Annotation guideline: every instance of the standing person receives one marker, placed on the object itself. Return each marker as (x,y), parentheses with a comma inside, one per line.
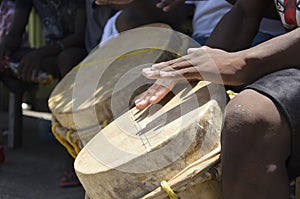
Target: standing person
(260,137)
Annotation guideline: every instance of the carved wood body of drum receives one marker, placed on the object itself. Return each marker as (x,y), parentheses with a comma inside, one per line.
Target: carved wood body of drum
(133,154)
(201,179)
(104,84)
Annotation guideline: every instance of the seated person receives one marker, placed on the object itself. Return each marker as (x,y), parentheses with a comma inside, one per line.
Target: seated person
(97,17)
(207,16)
(135,13)
(260,135)
(62,23)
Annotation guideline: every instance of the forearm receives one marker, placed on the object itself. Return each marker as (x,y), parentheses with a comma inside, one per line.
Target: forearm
(14,37)
(235,31)
(75,39)
(59,46)
(144,11)
(276,54)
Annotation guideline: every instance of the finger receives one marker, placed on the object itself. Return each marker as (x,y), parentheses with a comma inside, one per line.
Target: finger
(151,74)
(181,64)
(192,50)
(167,8)
(162,3)
(161,65)
(174,63)
(186,73)
(143,100)
(160,70)
(167,5)
(155,93)
(102,2)
(158,74)
(162,90)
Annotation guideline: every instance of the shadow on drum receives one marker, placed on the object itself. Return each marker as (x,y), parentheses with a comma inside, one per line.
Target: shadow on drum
(203,95)
(139,149)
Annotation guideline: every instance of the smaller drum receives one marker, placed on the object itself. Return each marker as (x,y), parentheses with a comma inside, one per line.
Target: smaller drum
(102,87)
(134,153)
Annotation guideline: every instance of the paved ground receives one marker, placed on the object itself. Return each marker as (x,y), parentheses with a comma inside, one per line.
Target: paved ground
(32,172)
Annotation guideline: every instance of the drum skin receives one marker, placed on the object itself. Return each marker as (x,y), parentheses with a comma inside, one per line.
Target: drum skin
(82,100)
(133,154)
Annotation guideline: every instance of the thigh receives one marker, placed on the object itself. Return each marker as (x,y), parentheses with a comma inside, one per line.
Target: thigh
(283,88)
(254,129)
(255,146)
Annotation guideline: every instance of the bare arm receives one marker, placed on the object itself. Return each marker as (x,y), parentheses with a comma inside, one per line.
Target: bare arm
(141,12)
(276,54)
(13,39)
(223,58)
(33,60)
(238,27)
(75,39)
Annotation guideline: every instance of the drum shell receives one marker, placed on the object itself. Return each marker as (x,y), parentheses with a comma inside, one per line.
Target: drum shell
(101,181)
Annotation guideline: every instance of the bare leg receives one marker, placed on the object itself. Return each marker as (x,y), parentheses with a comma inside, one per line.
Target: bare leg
(255,146)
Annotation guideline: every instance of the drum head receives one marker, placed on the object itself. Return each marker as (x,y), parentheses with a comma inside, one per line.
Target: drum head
(102,86)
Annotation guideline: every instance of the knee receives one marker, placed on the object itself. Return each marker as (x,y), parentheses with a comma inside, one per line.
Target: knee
(240,117)
(250,118)
(252,124)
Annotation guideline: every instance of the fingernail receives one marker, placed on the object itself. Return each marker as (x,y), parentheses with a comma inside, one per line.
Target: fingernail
(147,70)
(137,101)
(142,102)
(156,65)
(153,98)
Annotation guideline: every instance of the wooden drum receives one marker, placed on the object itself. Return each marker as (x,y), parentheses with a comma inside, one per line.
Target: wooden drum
(103,85)
(137,151)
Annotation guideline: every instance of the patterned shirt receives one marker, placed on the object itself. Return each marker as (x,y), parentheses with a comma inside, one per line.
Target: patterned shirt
(7,9)
(57,16)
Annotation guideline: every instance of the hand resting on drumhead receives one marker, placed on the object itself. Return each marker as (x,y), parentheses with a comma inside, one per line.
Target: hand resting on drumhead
(202,63)
(155,93)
